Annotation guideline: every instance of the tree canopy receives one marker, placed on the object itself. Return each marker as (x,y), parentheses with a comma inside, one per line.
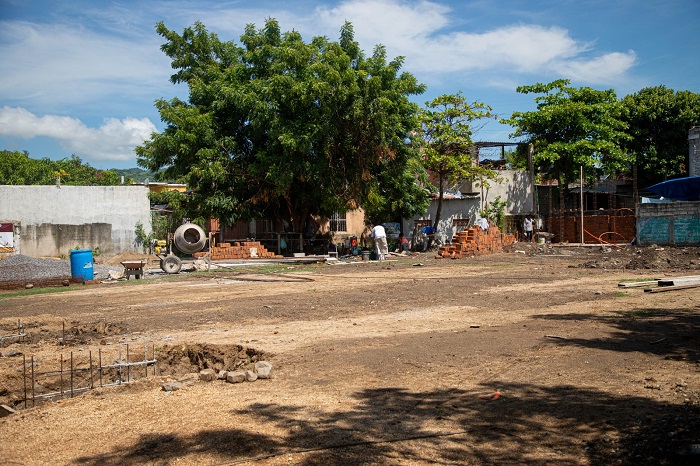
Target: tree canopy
(281,128)
(659,119)
(573,127)
(448,126)
(17,168)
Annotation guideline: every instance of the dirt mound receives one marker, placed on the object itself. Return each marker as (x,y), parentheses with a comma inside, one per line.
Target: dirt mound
(650,258)
(127,256)
(185,359)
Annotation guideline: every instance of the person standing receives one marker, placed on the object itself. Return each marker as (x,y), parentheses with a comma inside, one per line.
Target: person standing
(379,235)
(527,226)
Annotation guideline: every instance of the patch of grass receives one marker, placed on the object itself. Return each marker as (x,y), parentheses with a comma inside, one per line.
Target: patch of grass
(628,280)
(35,291)
(620,294)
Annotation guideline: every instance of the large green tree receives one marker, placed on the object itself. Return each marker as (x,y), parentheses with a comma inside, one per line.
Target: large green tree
(659,119)
(281,128)
(448,124)
(573,127)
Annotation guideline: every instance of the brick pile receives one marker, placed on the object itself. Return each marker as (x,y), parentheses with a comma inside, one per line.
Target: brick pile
(239,250)
(476,242)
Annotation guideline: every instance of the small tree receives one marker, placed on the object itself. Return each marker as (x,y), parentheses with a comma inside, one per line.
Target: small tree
(494,211)
(447,127)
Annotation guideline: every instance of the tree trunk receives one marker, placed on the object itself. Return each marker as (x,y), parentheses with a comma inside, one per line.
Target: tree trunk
(560,182)
(438,212)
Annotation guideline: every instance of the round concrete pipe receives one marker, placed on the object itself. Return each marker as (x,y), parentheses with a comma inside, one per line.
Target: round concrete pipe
(189,238)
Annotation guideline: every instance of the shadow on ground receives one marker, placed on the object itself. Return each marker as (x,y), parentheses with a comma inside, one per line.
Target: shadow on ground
(669,333)
(528,425)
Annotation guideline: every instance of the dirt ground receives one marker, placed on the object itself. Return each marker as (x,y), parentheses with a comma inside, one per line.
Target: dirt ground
(535,356)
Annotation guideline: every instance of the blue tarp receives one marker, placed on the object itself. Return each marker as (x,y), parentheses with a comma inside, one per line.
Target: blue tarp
(680,189)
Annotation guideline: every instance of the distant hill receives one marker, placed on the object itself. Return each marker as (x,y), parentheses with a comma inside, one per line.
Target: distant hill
(139,175)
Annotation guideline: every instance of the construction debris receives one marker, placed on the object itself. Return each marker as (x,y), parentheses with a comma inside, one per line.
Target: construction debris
(476,242)
(666,284)
(238,250)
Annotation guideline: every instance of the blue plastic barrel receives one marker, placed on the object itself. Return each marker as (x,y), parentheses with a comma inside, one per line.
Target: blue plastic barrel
(81,264)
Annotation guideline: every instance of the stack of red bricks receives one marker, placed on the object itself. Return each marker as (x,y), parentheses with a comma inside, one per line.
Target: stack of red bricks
(239,250)
(476,242)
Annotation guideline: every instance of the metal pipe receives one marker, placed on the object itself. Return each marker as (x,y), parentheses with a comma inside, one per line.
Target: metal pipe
(61,385)
(99,362)
(128,367)
(71,374)
(24,377)
(32,362)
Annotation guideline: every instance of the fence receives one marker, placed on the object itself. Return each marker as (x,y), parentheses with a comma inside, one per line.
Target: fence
(79,374)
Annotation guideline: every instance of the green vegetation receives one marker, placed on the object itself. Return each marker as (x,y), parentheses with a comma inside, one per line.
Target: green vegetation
(279,128)
(448,126)
(573,127)
(659,119)
(494,211)
(35,291)
(138,175)
(17,168)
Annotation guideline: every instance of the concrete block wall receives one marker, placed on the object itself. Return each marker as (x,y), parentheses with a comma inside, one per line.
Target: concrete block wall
(52,220)
(669,223)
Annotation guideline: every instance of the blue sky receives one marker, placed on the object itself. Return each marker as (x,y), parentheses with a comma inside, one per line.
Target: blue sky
(81,77)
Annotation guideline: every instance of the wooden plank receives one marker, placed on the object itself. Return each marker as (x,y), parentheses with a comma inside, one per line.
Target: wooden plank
(637,284)
(671,288)
(679,281)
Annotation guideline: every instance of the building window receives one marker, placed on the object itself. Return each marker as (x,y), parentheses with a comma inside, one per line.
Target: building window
(338,222)
(264,226)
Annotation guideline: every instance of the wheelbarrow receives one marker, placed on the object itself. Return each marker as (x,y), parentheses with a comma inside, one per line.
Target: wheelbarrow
(133,268)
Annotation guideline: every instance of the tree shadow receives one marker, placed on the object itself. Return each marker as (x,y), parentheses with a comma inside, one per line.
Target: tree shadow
(669,333)
(528,424)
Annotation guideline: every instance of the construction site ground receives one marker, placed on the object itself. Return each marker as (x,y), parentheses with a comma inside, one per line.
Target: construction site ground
(535,356)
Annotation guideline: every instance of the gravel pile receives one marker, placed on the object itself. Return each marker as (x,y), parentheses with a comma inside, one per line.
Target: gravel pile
(24,268)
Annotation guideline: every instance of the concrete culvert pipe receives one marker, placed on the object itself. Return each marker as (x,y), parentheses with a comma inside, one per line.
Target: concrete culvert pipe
(189,238)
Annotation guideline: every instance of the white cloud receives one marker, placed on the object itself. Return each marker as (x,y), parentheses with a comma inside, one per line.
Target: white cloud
(57,64)
(113,141)
(600,70)
(417,30)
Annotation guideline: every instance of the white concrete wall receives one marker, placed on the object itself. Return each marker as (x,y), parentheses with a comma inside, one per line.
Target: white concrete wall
(517,188)
(451,209)
(54,220)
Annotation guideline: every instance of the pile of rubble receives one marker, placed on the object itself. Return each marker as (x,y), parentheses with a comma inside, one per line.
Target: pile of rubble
(476,242)
(239,250)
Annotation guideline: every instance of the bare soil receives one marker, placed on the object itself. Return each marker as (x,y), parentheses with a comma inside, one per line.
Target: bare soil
(533,357)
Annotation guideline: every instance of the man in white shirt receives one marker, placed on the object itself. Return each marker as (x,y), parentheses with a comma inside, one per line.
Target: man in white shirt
(527,226)
(379,235)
